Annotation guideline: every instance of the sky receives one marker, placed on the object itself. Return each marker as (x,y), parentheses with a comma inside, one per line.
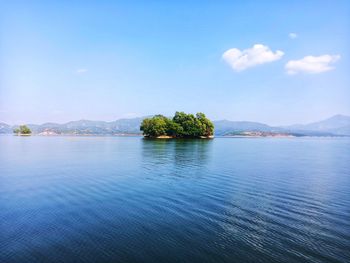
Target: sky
(276,62)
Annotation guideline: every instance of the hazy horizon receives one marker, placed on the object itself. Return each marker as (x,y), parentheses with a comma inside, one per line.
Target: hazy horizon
(87,119)
(272,62)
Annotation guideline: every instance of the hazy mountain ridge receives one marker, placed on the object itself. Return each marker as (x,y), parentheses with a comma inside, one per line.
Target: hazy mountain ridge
(5,128)
(224,127)
(336,125)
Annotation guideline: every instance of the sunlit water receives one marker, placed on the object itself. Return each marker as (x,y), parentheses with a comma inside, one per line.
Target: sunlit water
(126,199)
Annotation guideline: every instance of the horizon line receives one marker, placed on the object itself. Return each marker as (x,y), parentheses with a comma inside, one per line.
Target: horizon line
(146,116)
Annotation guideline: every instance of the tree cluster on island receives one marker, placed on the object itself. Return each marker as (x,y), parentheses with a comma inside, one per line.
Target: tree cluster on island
(22,130)
(182,125)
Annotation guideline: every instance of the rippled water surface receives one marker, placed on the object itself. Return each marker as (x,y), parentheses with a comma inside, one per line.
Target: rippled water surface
(126,199)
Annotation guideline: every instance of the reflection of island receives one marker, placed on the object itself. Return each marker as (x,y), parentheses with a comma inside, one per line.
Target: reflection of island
(161,156)
(182,125)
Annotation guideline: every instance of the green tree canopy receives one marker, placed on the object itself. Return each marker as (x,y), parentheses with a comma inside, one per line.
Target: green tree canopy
(23,129)
(182,125)
(156,126)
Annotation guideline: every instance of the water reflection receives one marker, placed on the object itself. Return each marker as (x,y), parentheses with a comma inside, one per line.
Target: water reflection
(182,152)
(176,156)
(132,200)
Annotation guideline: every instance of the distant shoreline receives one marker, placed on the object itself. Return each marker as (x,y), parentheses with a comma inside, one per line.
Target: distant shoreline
(162,137)
(170,138)
(265,136)
(335,126)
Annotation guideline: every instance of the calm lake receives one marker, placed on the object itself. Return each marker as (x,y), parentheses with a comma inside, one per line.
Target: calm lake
(126,199)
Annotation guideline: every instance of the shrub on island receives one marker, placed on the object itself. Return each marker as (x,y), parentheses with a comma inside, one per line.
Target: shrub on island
(22,130)
(182,125)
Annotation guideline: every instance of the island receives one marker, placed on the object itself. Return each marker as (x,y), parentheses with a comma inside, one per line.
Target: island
(23,130)
(182,125)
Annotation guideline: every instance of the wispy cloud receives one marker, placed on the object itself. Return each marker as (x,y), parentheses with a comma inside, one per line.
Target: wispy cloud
(292,35)
(311,64)
(250,57)
(81,71)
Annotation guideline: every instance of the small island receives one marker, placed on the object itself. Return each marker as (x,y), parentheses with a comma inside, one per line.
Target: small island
(182,125)
(23,130)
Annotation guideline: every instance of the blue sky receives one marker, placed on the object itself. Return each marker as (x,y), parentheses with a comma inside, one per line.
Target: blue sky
(275,62)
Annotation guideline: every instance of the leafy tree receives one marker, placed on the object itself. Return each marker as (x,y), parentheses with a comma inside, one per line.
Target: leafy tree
(206,126)
(174,129)
(154,127)
(182,125)
(23,129)
(188,124)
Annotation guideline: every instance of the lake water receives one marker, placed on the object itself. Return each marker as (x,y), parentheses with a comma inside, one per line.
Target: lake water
(126,199)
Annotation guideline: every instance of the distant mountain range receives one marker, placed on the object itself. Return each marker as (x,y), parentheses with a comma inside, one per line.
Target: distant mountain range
(121,126)
(338,125)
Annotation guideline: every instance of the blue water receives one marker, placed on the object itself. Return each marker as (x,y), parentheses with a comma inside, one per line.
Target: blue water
(126,199)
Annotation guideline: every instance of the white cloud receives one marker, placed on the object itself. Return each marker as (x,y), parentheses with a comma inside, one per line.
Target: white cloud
(81,71)
(292,35)
(311,64)
(257,55)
